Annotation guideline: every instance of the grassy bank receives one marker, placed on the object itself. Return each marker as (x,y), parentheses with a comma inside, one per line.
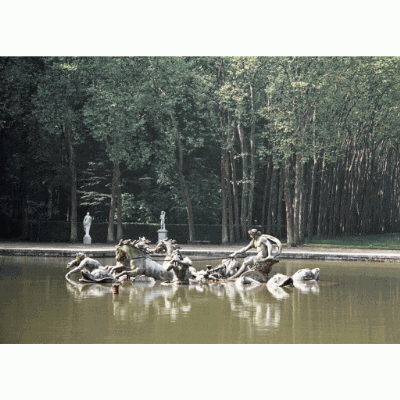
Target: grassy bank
(386,241)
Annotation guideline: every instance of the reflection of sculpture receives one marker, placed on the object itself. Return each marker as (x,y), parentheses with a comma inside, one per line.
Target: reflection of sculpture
(264,259)
(162,218)
(87,222)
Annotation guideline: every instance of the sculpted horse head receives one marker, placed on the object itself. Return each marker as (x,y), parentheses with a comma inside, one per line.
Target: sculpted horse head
(166,246)
(132,250)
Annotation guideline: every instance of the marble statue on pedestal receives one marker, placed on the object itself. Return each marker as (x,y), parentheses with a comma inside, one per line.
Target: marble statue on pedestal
(87,222)
(162,232)
(162,218)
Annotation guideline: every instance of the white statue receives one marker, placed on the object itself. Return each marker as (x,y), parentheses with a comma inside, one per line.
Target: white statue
(162,217)
(87,222)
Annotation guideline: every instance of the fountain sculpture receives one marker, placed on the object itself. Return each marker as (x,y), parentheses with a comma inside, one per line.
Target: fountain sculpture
(134,263)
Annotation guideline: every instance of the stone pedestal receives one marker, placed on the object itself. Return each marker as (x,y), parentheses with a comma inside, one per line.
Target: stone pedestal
(162,234)
(87,239)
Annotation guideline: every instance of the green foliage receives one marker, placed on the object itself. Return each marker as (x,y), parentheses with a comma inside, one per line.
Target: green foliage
(154,115)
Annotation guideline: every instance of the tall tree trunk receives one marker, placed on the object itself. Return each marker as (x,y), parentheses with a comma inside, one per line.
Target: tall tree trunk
(235,193)
(120,232)
(111,215)
(230,202)
(272,203)
(24,196)
(72,168)
(322,199)
(289,204)
(252,154)
(224,202)
(279,213)
(245,182)
(310,221)
(182,183)
(224,155)
(298,196)
(266,204)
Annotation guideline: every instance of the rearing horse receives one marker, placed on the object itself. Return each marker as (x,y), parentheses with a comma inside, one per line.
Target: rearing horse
(137,252)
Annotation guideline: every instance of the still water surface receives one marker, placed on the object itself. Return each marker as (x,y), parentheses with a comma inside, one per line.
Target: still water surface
(354,302)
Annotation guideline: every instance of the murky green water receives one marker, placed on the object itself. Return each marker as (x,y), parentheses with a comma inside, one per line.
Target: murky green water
(352,303)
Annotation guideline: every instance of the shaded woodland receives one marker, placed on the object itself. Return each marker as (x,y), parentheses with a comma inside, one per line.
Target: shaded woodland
(302,146)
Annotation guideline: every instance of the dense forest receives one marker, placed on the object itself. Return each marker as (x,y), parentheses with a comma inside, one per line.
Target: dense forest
(301,146)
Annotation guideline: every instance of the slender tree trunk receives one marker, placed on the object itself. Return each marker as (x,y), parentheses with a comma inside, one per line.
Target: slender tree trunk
(279,213)
(303,202)
(72,167)
(289,204)
(224,155)
(230,202)
(224,202)
(24,196)
(111,215)
(298,194)
(266,204)
(235,196)
(245,185)
(120,232)
(182,183)
(50,202)
(188,201)
(322,200)
(310,222)
(272,203)
(252,155)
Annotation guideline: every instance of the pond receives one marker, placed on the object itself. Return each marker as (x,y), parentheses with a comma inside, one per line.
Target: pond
(354,302)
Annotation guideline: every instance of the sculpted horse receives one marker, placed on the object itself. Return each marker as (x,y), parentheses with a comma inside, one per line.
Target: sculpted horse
(137,253)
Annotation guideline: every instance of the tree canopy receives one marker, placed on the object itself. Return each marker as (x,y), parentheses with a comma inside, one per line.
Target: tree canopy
(298,146)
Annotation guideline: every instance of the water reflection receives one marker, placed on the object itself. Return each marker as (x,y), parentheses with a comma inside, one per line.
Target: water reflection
(353,303)
(307,287)
(255,302)
(87,290)
(278,292)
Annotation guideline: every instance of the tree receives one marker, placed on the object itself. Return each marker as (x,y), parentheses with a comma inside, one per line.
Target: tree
(60,97)
(21,144)
(176,109)
(113,117)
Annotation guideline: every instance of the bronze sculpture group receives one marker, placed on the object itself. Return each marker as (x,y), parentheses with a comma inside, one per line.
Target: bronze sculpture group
(134,263)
